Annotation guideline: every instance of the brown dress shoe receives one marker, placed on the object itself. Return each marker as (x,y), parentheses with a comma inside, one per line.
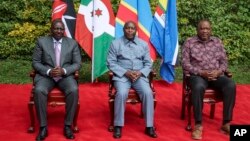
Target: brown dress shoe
(225,128)
(197,132)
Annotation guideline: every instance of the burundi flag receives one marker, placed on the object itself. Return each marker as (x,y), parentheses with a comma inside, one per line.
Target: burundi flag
(164,37)
(64,9)
(138,11)
(95,31)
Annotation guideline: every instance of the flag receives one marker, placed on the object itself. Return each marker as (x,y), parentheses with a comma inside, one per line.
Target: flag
(164,37)
(138,11)
(64,10)
(95,31)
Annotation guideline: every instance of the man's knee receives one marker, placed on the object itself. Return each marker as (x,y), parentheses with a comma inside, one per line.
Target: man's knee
(40,90)
(122,93)
(198,87)
(72,90)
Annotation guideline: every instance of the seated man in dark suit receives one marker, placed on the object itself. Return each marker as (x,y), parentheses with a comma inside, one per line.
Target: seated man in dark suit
(204,58)
(55,59)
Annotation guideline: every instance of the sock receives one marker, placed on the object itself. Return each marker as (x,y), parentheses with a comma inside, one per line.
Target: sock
(225,122)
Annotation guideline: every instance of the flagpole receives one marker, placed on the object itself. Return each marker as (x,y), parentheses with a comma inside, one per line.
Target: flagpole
(93,43)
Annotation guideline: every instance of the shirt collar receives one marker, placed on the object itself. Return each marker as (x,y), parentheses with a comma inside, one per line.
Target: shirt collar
(199,40)
(54,40)
(126,41)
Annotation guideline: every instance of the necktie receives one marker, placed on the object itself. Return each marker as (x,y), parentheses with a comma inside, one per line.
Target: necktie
(57,53)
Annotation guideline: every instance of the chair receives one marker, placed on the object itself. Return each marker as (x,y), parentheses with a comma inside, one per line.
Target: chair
(133,97)
(211,96)
(55,98)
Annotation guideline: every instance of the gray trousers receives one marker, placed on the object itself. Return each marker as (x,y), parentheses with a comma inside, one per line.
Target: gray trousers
(43,86)
(145,93)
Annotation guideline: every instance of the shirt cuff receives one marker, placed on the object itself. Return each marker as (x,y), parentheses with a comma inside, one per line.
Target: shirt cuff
(65,72)
(48,71)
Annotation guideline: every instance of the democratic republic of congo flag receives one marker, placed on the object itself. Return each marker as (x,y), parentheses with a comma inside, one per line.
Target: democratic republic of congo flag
(138,11)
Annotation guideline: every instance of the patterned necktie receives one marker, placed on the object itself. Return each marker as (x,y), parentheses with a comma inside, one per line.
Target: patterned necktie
(57,53)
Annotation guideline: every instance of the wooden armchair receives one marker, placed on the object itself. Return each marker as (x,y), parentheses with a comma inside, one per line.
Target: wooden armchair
(133,97)
(211,96)
(55,98)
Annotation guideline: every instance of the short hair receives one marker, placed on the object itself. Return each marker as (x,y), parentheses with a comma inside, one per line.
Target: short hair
(203,20)
(130,21)
(55,21)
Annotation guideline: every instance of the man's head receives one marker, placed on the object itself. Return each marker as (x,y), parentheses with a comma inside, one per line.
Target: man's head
(204,30)
(129,30)
(57,29)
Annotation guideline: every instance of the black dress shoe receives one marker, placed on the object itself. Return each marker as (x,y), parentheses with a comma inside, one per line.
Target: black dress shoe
(150,131)
(117,132)
(43,133)
(68,133)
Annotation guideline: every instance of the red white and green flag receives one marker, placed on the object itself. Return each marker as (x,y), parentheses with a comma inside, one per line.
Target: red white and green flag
(95,31)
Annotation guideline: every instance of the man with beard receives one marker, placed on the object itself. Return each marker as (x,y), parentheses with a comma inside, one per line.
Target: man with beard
(204,59)
(129,60)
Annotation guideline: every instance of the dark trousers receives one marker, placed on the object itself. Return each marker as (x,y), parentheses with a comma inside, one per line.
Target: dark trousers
(43,86)
(223,84)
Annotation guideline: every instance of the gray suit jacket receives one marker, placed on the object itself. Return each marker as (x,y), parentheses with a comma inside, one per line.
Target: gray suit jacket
(125,55)
(44,59)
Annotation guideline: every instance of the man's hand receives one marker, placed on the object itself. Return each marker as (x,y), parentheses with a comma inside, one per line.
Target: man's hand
(56,72)
(133,75)
(210,75)
(213,75)
(204,73)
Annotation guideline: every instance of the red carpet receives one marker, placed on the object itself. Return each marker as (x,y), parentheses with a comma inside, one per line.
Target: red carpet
(93,118)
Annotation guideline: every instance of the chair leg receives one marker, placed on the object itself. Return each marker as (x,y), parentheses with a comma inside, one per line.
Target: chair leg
(189,106)
(141,115)
(75,127)
(212,110)
(111,108)
(31,129)
(183,106)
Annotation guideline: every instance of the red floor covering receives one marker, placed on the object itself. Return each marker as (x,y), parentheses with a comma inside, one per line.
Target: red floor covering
(93,118)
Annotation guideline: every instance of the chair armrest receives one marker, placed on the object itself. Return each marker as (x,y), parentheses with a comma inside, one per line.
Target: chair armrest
(33,73)
(111,84)
(76,75)
(228,74)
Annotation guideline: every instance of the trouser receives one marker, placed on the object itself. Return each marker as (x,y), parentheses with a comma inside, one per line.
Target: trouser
(223,84)
(145,93)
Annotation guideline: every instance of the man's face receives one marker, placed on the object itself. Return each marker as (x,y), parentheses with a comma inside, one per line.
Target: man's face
(129,30)
(57,30)
(204,30)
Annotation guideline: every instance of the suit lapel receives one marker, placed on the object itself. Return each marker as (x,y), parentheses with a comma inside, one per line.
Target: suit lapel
(63,51)
(51,50)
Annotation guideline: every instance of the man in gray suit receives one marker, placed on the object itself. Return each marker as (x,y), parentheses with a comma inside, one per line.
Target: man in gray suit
(55,59)
(129,60)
